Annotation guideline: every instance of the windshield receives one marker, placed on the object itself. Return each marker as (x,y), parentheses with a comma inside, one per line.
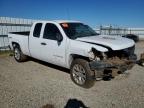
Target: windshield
(77,30)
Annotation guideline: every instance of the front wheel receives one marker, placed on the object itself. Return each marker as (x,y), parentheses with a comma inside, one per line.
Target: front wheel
(81,73)
(18,55)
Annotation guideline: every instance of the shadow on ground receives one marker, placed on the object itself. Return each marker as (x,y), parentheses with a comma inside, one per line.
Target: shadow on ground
(71,103)
(50,65)
(74,103)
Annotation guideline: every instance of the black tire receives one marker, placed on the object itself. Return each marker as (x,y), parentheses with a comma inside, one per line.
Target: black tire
(18,55)
(87,73)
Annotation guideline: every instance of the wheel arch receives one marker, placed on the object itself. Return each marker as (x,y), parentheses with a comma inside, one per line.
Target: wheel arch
(22,57)
(15,44)
(72,57)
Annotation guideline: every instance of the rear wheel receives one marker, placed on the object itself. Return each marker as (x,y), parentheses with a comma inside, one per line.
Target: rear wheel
(18,55)
(81,74)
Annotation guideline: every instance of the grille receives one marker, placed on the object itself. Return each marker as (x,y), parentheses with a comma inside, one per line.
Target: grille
(129,50)
(121,53)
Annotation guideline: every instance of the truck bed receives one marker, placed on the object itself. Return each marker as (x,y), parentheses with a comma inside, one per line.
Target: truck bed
(22,38)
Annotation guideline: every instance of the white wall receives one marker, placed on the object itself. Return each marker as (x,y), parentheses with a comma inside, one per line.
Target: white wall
(8,24)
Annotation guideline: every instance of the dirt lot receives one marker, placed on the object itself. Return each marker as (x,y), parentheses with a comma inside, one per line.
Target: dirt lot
(35,84)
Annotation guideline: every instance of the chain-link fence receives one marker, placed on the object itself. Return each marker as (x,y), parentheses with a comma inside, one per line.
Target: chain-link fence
(119,31)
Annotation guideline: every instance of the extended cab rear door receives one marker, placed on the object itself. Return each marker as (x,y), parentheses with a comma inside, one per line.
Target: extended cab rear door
(35,41)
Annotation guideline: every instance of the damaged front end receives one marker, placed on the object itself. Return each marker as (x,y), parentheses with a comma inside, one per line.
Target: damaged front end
(113,63)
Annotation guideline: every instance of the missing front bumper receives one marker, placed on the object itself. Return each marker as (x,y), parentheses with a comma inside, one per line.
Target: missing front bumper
(114,66)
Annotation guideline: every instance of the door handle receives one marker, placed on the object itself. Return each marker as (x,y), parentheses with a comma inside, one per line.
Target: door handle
(43,43)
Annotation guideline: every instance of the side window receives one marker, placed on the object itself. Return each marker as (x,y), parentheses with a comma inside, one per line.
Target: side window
(50,31)
(37,30)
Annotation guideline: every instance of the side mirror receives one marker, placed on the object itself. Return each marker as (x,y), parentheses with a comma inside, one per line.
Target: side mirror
(59,37)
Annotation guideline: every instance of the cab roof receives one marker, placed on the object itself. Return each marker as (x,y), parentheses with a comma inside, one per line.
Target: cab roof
(57,21)
(64,21)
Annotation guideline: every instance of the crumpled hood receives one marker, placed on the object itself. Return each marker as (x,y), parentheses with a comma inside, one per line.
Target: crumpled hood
(113,42)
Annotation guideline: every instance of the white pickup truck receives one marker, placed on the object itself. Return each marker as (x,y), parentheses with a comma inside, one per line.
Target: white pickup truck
(74,45)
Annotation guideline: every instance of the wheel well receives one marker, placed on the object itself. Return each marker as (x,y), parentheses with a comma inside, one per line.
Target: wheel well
(75,56)
(14,44)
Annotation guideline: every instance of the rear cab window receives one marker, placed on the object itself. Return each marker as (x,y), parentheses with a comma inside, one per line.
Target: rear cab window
(37,30)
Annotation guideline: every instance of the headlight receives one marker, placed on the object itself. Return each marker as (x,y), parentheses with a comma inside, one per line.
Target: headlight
(96,55)
(92,56)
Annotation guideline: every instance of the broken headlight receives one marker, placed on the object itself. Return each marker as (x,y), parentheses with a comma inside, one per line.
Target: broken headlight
(91,55)
(96,55)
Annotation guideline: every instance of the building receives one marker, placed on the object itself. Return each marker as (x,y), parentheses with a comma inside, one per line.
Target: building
(8,24)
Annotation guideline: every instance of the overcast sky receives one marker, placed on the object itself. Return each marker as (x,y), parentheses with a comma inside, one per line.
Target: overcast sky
(125,13)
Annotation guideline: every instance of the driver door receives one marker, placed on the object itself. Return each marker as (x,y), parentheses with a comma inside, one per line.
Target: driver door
(53,51)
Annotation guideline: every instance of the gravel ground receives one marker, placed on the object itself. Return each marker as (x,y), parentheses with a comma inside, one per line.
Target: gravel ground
(35,84)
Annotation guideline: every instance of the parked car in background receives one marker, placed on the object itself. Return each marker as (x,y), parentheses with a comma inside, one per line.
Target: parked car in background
(132,36)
